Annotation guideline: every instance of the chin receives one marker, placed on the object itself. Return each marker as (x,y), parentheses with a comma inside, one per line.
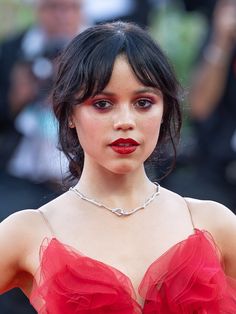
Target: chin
(122,171)
(123,168)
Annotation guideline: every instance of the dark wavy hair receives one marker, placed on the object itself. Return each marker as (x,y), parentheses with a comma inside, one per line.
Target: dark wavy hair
(85,68)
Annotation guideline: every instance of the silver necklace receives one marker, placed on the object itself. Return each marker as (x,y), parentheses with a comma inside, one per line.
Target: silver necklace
(118,211)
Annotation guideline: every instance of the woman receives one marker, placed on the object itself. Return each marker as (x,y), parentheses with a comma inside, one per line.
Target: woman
(116,242)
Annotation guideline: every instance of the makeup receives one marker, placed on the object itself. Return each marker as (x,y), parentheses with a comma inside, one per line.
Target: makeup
(124,146)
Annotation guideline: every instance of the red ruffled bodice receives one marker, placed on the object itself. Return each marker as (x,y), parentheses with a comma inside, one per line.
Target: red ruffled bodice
(187,279)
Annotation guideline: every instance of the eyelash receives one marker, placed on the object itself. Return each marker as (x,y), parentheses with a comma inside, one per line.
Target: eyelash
(150,102)
(96,104)
(145,107)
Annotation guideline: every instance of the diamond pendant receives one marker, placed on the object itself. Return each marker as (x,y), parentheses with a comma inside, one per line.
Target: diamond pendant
(118,211)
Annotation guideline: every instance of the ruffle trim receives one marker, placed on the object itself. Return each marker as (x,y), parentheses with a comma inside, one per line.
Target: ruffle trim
(187,279)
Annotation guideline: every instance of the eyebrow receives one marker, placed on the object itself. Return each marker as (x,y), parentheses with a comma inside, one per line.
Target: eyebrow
(138,91)
(156,91)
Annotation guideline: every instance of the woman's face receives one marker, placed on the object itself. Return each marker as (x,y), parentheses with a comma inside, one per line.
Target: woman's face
(119,128)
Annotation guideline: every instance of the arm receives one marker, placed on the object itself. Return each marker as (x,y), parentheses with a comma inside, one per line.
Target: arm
(14,248)
(211,74)
(23,88)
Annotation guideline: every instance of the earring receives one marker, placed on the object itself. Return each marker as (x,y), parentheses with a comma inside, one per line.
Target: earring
(71,124)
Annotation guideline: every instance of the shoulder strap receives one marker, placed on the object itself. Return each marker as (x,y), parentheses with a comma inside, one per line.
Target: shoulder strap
(46,222)
(190,213)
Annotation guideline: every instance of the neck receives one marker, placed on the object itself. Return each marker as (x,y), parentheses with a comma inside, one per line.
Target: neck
(125,190)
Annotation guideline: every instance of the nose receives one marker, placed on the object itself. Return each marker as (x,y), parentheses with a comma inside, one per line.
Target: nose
(124,119)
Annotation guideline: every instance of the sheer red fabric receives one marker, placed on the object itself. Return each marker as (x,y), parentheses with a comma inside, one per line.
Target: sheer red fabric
(187,279)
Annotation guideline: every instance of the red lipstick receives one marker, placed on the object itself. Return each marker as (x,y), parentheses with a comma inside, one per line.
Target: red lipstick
(124,145)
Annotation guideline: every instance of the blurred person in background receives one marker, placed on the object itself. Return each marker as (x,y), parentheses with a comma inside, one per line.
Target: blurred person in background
(27,129)
(213,106)
(26,70)
(137,11)
(211,172)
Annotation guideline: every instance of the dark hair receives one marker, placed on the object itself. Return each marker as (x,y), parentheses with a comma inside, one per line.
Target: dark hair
(85,68)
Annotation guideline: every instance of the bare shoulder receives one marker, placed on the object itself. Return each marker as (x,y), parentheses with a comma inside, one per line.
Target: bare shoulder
(22,233)
(172,200)
(207,215)
(56,209)
(28,226)
(20,221)
(170,196)
(211,215)
(220,221)
(18,235)
(20,228)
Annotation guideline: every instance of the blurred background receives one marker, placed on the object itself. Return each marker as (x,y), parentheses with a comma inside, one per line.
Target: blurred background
(198,36)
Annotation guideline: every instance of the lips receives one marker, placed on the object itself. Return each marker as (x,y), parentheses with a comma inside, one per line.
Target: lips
(124,145)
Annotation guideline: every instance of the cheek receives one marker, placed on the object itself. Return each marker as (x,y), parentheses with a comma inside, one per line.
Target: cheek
(151,128)
(88,131)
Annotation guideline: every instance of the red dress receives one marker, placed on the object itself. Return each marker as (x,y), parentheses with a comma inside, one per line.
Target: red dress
(187,279)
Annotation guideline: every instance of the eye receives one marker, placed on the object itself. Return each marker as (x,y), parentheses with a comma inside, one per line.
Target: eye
(144,103)
(102,104)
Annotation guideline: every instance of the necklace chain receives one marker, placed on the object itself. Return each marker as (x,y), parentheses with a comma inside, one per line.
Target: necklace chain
(118,211)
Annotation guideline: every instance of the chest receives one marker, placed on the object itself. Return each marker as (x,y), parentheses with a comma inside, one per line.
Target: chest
(73,281)
(129,250)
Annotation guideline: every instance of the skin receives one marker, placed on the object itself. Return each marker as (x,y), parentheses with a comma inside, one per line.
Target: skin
(123,118)
(60,18)
(129,244)
(209,78)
